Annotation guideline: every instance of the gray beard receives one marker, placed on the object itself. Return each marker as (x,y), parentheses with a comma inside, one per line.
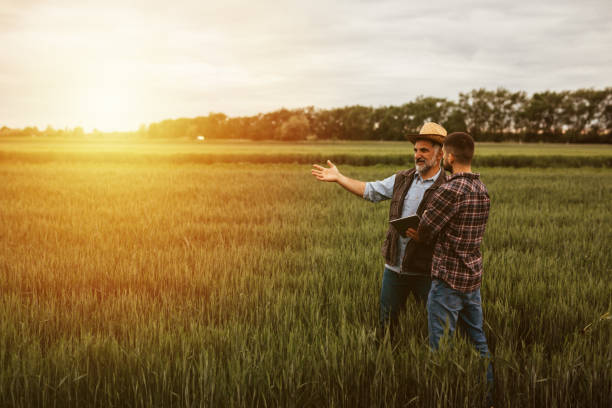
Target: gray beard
(425,167)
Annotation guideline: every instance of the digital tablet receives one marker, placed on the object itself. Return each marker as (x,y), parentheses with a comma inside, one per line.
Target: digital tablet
(402,224)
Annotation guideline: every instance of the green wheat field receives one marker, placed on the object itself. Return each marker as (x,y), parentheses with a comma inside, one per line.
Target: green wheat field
(131,282)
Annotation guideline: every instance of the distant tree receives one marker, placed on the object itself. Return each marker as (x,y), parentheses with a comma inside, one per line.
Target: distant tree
(453,117)
(5,131)
(581,115)
(142,130)
(542,115)
(296,128)
(155,131)
(49,131)
(237,128)
(276,120)
(505,107)
(477,107)
(30,131)
(328,124)
(310,113)
(356,122)
(78,132)
(261,127)
(604,116)
(422,109)
(192,131)
(215,127)
(388,123)
(584,115)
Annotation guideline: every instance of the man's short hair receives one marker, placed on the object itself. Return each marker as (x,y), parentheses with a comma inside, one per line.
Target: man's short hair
(461,145)
(433,143)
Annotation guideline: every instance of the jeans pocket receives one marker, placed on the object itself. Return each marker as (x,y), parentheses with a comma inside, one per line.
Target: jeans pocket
(450,297)
(435,286)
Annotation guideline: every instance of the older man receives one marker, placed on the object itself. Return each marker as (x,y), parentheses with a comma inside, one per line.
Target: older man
(407,262)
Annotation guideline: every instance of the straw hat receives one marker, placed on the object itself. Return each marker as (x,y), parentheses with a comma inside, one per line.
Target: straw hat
(430,131)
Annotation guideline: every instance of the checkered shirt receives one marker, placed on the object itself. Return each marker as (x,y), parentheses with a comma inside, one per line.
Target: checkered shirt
(455,221)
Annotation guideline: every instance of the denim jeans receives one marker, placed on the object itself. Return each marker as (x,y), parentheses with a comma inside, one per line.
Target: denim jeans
(393,294)
(447,307)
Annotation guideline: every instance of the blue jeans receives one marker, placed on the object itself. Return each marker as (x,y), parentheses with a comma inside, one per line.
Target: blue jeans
(446,307)
(393,294)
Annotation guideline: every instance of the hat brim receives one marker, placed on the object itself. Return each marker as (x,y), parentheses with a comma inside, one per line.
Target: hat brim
(431,137)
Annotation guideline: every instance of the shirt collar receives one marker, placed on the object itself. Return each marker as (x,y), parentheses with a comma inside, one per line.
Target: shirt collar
(465,174)
(417,175)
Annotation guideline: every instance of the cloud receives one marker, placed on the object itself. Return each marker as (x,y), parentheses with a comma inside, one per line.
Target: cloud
(247,57)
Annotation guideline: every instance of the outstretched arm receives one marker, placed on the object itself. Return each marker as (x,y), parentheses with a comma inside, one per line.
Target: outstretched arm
(332,174)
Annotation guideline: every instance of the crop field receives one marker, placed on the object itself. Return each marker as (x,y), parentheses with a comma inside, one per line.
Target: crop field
(232,151)
(153,283)
(242,146)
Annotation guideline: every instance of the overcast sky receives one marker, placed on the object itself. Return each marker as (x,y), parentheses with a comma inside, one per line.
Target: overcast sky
(116,64)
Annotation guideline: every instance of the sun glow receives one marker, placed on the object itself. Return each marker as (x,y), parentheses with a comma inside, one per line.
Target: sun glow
(110,108)
(114,68)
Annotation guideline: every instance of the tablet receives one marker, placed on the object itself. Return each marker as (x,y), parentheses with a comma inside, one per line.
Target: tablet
(402,224)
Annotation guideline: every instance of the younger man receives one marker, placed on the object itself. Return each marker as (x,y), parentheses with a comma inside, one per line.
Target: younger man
(455,220)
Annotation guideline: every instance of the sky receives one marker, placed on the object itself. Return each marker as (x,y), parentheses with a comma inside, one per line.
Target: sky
(113,65)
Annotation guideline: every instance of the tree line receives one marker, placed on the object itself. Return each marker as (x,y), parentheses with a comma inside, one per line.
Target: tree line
(579,116)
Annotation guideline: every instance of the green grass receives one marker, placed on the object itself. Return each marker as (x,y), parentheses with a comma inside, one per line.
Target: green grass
(255,285)
(150,146)
(355,153)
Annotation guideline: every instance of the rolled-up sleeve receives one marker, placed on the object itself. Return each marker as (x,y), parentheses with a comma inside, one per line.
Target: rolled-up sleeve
(379,190)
